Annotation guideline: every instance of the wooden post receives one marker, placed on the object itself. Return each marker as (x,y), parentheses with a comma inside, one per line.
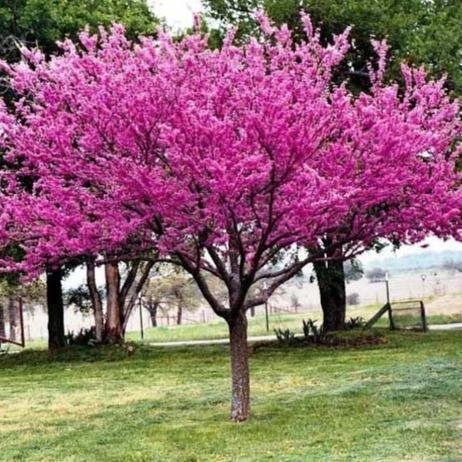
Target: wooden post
(424,317)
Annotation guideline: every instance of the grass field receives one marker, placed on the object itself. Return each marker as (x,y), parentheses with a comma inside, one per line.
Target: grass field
(257,326)
(393,402)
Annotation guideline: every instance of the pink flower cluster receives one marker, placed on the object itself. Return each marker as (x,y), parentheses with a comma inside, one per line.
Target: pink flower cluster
(227,159)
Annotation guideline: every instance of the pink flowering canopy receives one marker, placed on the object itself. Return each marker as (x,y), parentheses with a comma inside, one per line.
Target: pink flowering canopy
(228,160)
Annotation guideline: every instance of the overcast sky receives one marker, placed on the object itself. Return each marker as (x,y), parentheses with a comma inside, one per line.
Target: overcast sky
(177,13)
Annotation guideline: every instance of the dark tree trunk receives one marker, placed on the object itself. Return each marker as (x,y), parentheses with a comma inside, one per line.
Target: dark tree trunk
(2,321)
(13,318)
(55,307)
(179,316)
(252,311)
(114,331)
(331,281)
(152,307)
(95,301)
(240,394)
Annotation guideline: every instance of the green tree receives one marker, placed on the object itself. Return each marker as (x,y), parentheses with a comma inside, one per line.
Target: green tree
(44,22)
(418,31)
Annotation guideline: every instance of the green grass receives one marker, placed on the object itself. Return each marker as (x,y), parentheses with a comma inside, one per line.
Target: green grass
(257,326)
(217,329)
(393,402)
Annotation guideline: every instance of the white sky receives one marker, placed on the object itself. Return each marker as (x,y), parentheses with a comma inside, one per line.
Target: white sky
(177,13)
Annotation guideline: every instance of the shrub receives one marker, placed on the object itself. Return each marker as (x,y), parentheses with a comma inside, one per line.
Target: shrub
(84,337)
(285,336)
(311,332)
(355,323)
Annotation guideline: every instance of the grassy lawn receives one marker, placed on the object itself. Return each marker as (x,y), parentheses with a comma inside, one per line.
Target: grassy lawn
(257,326)
(393,402)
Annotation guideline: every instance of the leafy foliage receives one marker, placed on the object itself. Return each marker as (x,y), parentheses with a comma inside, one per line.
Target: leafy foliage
(355,323)
(44,22)
(84,337)
(376,274)
(285,336)
(420,32)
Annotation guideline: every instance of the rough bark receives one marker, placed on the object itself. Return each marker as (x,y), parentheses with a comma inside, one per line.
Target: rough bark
(2,321)
(240,394)
(179,315)
(113,331)
(331,282)
(55,307)
(95,301)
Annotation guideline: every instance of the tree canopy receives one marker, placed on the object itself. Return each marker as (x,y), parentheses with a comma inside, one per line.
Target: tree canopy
(421,32)
(45,22)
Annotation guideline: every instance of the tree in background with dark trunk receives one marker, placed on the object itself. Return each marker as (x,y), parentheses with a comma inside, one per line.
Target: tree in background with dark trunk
(332,291)
(55,306)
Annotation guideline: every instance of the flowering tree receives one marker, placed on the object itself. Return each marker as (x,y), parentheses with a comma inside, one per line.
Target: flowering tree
(228,163)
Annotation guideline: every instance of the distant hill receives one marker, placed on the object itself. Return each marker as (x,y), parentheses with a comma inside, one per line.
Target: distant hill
(417,261)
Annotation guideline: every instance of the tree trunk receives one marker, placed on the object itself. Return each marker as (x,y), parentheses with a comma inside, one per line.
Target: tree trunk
(252,311)
(179,316)
(55,307)
(129,294)
(2,321)
(114,332)
(152,307)
(331,281)
(240,394)
(95,300)
(13,318)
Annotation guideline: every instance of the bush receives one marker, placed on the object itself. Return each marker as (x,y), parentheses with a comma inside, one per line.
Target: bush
(84,337)
(355,323)
(311,332)
(285,336)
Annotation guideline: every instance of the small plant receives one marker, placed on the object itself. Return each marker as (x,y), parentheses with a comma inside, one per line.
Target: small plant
(285,336)
(355,323)
(311,332)
(84,337)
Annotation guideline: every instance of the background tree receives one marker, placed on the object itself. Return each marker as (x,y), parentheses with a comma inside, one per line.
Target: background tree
(417,31)
(353,270)
(175,290)
(43,23)
(31,293)
(376,274)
